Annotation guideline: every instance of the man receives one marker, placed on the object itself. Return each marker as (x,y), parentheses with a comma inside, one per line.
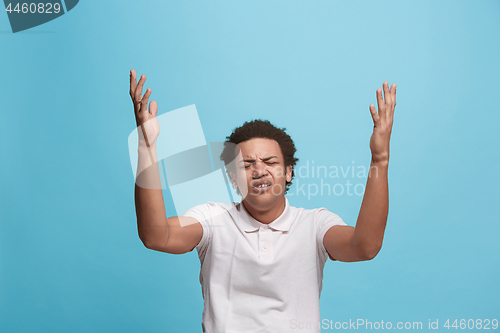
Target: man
(261,260)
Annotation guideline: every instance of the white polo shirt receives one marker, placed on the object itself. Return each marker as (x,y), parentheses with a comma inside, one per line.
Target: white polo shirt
(257,277)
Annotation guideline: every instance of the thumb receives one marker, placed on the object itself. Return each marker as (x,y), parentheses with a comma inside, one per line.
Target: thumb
(153,108)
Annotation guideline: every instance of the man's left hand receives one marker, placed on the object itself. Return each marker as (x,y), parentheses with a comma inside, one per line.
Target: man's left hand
(379,141)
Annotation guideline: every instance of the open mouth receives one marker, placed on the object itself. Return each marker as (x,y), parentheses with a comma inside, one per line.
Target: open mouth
(260,185)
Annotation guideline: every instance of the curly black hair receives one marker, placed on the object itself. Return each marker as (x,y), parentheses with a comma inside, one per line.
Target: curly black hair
(259,128)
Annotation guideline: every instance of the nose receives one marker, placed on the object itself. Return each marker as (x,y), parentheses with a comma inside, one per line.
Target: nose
(259,170)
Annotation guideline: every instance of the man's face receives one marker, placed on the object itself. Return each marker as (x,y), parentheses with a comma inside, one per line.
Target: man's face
(261,175)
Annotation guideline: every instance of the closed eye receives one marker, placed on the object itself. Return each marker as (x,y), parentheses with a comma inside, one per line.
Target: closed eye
(246,166)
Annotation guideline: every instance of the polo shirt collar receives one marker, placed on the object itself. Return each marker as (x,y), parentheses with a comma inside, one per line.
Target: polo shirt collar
(282,223)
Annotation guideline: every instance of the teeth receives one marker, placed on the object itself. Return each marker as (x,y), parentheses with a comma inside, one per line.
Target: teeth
(263,185)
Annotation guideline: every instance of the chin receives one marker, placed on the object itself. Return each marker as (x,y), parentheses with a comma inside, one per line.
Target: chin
(263,200)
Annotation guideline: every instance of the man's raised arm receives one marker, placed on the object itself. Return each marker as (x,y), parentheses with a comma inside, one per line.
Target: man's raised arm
(365,240)
(155,230)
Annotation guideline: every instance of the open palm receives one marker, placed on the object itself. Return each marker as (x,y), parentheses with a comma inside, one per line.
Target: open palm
(145,119)
(382,121)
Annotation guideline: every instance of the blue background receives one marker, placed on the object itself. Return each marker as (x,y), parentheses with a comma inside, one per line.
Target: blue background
(70,257)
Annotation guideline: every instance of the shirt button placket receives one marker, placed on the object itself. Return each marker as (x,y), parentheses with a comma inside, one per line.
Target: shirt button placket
(265,243)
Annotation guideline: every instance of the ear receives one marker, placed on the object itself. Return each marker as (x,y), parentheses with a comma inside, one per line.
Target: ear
(289,173)
(232,176)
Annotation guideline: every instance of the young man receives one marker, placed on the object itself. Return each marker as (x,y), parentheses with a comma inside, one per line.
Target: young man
(261,260)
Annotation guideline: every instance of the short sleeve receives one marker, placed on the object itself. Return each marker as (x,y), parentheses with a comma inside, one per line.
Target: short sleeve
(210,215)
(202,213)
(324,221)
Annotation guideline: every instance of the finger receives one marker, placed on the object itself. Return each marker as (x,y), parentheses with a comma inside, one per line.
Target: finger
(380,102)
(374,114)
(387,94)
(153,108)
(138,89)
(144,102)
(133,83)
(393,93)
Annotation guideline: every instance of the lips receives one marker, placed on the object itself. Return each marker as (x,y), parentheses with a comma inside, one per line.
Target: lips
(261,184)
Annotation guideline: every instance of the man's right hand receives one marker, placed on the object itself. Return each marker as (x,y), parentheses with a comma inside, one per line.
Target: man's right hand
(175,234)
(145,119)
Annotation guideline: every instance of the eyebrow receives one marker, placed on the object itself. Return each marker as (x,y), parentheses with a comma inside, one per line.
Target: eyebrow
(263,159)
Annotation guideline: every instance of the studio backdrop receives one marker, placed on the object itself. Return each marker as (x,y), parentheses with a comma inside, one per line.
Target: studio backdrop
(70,256)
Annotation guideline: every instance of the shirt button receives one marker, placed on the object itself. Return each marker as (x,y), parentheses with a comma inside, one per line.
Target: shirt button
(265,246)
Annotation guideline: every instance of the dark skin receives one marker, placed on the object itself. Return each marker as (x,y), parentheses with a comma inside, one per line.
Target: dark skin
(180,234)
(364,241)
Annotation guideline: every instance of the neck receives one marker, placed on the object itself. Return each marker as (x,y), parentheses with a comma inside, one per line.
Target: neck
(267,215)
